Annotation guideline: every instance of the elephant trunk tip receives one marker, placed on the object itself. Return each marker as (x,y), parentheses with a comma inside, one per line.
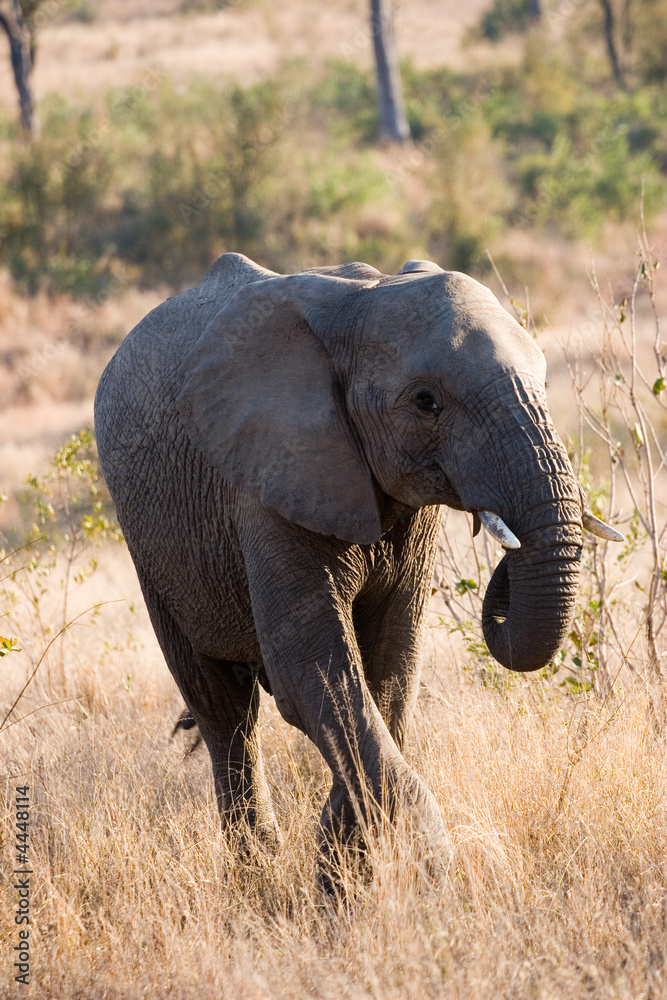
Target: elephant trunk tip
(524,633)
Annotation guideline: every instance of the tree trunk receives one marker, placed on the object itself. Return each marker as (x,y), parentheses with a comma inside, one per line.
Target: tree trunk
(609,33)
(535,9)
(393,122)
(22,54)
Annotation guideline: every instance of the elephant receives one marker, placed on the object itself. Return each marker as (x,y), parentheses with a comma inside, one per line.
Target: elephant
(278,448)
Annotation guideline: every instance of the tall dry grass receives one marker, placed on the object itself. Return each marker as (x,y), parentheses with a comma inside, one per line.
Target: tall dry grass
(555,887)
(552,786)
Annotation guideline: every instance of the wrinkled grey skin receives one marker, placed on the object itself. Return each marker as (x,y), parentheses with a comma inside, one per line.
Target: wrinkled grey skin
(277,448)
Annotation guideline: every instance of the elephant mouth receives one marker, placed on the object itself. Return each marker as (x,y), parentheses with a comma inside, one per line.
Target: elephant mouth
(496,607)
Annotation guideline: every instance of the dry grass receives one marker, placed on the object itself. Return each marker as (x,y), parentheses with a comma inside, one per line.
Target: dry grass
(556,807)
(54,348)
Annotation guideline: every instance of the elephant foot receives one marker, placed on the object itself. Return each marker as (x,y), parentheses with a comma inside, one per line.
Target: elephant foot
(343,854)
(270,838)
(341,867)
(352,839)
(424,834)
(250,836)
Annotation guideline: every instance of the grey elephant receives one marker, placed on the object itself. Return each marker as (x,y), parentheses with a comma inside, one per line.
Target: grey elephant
(277,448)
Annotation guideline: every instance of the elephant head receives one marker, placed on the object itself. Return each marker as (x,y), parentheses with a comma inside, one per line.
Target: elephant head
(321,393)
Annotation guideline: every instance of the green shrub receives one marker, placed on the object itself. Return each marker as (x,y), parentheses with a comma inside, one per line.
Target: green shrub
(504,17)
(344,102)
(51,211)
(153,183)
(471,196)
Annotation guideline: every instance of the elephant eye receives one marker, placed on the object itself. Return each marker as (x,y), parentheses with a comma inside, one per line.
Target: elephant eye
(425,401)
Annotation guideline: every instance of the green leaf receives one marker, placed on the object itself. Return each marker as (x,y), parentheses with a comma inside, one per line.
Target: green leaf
(576,686)
(8,645)
(463,586)
(658,386)
(554,666)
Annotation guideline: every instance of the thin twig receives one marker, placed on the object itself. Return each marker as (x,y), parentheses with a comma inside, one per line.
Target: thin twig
(65,627)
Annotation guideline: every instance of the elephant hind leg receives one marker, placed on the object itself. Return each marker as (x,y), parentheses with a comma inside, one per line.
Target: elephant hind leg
(223,701)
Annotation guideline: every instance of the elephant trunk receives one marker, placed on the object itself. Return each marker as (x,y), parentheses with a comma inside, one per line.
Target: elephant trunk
(530,601)
(529,604)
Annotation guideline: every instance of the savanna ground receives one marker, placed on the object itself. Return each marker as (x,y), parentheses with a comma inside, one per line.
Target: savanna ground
(553,785)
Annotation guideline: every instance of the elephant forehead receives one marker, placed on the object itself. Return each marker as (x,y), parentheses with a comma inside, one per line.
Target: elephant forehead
(426,294)
(487,342)
(450,324)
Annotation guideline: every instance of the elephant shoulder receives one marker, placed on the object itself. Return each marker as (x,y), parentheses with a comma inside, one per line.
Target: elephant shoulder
(156,346)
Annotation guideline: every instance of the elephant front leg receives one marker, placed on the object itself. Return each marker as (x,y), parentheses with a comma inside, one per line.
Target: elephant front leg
(309,648)
(389,618)
(371,780)
(372,783)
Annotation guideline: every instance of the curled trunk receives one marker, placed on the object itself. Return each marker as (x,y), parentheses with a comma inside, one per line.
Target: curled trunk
(531,598)
(530,601)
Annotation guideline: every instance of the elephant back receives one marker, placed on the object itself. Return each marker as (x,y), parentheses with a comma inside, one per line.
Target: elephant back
(135,411)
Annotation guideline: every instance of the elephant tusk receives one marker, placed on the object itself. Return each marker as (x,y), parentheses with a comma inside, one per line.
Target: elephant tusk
(597,527)
(497,528)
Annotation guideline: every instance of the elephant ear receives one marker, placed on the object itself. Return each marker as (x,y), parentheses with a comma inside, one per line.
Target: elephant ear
(261,399)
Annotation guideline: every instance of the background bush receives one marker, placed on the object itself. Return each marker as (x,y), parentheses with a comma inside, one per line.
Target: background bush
(151,184)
